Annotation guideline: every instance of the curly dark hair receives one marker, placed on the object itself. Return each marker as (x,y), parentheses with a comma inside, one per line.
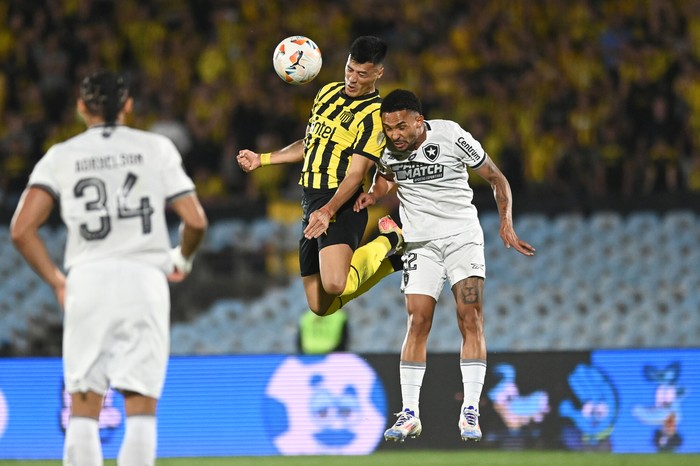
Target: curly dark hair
(401,99)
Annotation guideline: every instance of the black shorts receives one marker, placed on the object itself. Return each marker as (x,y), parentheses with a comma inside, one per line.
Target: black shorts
(346,227)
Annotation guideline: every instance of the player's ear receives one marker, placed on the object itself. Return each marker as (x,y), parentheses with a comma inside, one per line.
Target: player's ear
(128,106)
(82,109)
(380,71)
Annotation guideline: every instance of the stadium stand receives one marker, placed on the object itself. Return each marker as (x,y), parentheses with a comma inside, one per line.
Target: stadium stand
(601,281)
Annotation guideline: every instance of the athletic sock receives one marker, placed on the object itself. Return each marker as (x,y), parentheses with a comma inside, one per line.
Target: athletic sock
(139,443)
(82,443)
(393,238)
(365,262)
(386,267)
(473,374)
(396,260)
(411,377)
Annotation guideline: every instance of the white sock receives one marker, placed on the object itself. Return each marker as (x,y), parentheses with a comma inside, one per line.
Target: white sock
(473,374)
(139,444)
(82,446)
(411,377)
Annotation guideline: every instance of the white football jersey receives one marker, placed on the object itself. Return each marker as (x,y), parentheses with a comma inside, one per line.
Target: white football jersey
(436,199)
(113,192)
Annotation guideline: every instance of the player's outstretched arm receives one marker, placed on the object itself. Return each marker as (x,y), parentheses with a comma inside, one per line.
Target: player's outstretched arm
(504,201)
(249,160)
(32,211)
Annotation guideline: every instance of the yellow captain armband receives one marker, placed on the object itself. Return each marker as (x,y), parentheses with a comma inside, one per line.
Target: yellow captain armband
(265,158)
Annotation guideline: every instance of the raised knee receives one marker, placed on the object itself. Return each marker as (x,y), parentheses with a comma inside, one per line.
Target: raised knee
(317,310)
(334,288)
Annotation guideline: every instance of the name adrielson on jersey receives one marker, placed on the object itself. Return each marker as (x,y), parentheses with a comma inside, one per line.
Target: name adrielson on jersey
(108,162)
(417,171)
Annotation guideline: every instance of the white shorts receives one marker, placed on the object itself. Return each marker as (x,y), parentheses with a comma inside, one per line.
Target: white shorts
(116,328)
(428,264)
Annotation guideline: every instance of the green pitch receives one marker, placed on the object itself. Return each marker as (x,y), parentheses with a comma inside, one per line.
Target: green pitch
(427,458)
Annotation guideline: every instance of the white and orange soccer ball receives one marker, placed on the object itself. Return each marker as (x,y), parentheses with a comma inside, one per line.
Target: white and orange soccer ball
(297,60)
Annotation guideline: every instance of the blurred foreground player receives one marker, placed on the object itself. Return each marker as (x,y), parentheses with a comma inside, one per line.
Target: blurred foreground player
(112,184)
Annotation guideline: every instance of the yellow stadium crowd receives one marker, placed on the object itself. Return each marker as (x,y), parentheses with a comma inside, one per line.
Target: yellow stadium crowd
(581,100)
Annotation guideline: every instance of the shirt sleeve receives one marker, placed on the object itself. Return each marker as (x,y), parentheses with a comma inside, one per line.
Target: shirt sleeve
(371,140)
(43,175)
(177,183)
(469,149)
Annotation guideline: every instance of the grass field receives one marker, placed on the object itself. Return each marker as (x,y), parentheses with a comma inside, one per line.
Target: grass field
(427,458)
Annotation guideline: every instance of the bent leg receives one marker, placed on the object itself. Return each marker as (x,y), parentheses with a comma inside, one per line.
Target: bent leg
(322,288)
(388,266)
(334,264)
(365,263)
(316,297)
(332,289)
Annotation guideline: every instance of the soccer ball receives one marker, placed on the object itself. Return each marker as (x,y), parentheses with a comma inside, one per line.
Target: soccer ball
(297,60)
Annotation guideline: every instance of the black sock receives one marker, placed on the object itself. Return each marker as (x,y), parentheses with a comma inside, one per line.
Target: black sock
(393,238)
(396,261)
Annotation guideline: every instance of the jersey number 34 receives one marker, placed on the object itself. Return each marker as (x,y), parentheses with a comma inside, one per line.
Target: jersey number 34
(98,202)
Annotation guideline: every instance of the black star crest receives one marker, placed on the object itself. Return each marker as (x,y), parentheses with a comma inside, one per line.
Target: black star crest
(431,152)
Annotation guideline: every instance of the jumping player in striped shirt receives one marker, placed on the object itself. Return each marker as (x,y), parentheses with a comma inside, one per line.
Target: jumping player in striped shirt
(343,141)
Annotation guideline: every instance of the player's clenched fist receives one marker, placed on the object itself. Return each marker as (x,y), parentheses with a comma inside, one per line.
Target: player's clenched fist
(248,160)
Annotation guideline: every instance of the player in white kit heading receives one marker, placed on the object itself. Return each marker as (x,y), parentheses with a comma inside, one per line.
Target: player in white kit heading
(426,162)
(112,184)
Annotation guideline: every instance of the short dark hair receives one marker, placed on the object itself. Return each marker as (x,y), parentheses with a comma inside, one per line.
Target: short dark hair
(104,93)
(401,99)
(368,49)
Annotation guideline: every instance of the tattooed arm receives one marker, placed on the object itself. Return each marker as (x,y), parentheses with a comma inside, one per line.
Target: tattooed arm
(504,200)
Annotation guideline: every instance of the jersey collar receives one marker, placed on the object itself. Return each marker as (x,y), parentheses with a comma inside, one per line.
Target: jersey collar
(104,125)
(371,95)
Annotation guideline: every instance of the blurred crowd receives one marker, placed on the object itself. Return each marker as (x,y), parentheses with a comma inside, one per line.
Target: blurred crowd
(580,99)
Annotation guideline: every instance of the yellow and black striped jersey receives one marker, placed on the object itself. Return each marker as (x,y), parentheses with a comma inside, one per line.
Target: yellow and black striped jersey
(339,126)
